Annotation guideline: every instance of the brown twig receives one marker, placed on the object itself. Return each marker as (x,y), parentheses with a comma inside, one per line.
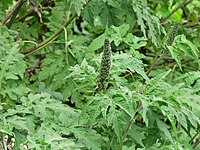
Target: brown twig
(163,57)
(196,143)
(36,65)
(191,24)
(31,10)
(12,13)
(181,5)
(154,64)
(195,140)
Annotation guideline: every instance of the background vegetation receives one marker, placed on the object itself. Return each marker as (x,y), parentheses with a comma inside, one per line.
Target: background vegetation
(58,92)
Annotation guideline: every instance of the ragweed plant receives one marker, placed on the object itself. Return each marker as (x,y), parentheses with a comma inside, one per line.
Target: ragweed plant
(50,66)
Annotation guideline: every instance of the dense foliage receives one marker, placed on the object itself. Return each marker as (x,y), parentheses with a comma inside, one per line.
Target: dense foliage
(61,86)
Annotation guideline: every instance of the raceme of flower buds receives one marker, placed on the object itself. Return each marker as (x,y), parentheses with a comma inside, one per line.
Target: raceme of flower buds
(105,62)
(172,35)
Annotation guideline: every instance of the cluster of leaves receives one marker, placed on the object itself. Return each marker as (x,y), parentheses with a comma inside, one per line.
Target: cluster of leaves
(48,96)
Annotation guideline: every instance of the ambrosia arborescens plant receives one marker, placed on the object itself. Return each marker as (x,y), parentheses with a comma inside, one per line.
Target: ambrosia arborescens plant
(51,65)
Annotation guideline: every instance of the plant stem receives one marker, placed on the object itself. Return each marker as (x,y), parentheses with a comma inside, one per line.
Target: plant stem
(154,64)
(132,120)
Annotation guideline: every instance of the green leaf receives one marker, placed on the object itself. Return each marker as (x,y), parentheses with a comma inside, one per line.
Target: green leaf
(182,46)
(164,128)
(119,124)
(97,43)
(14,91)
(144,112)
(124,61)
(155,81)
(138,134)
(77,5)
(176,55)
(12,67)
(134,41)
(119,33)
(89,137)
(193,119)
(17,122)
(143,15)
